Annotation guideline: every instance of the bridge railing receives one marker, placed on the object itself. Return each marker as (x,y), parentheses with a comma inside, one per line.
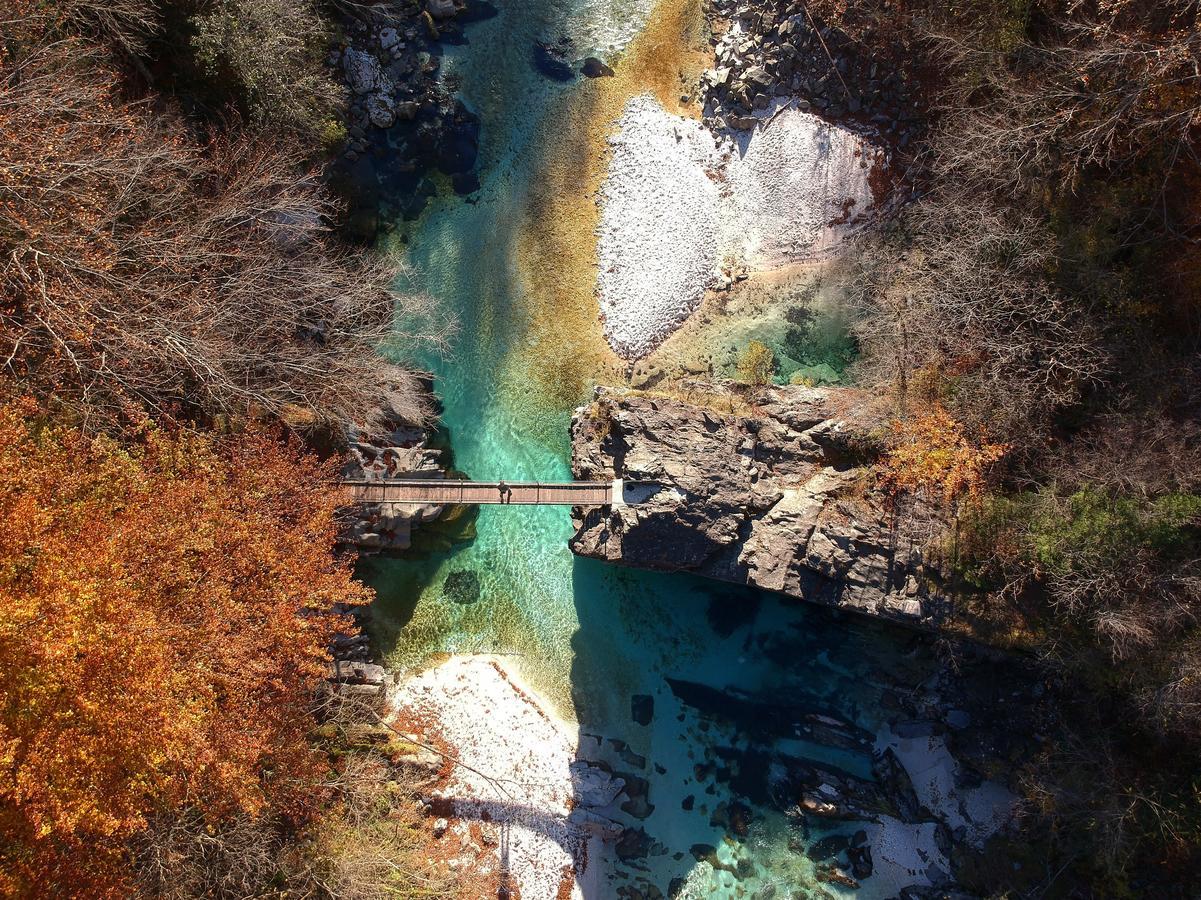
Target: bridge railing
(460,491)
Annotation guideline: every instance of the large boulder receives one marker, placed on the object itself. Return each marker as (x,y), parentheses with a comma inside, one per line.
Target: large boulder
(363,73)
(776,497)
(441,9)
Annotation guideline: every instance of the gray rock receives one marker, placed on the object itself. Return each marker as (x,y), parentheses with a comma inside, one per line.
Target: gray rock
(757,75)
(595,68)
(363,73)
(389,38)
(915,729)
(861,862)
(357,672)
(774,499)
(389,448)
(599,825)
(642,708)
(958,718)
(381,110)
(419,761)
(593,786)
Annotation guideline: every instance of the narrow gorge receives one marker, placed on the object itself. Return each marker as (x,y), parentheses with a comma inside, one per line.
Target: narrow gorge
(690,738)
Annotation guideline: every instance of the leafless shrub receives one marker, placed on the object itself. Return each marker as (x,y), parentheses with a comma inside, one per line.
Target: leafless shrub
(364,842)
(1141,455)
(184,857)
(371,850)
(1099,96)
(964,290)
(1175,704)
(1112,798)
(123,23)
(141,270)
(1081,784)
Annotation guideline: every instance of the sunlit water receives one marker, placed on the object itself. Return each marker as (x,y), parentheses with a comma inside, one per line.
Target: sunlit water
(588,636)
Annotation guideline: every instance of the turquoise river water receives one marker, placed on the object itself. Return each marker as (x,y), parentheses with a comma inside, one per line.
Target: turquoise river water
(590,637)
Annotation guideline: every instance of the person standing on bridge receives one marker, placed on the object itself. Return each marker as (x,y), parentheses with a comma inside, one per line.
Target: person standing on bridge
(506,492)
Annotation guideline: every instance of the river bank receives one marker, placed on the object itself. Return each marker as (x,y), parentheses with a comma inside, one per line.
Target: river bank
(507,801)
(902,807)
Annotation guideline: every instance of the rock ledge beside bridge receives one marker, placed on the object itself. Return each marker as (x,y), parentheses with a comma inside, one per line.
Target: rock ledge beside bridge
(768,489)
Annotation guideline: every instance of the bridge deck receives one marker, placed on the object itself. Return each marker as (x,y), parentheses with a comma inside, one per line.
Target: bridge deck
(447,491)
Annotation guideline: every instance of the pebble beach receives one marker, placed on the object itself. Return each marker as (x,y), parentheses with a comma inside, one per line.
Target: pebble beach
(683,210)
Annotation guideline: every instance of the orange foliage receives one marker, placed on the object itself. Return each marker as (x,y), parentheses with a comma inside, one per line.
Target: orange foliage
(166,610)
(930,453)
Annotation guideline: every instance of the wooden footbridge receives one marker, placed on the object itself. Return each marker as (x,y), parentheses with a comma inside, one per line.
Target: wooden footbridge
(445,492)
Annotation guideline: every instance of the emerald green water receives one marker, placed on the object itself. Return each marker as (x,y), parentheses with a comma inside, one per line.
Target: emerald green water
(586,635)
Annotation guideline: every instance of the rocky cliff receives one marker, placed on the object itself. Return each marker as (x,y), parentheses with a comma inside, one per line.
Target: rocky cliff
(767,489)
(398,449)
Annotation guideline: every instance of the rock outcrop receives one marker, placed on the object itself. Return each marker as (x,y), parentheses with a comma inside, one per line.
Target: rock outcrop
(402,123)
(397,450)
(775,496)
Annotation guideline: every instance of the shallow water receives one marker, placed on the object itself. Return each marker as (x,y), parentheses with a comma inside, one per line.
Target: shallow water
(589,636)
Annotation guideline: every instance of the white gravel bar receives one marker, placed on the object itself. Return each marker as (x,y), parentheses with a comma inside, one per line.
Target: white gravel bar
(514,767)
(680,207)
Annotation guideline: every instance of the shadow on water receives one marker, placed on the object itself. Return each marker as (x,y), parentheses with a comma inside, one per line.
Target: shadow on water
(710,701)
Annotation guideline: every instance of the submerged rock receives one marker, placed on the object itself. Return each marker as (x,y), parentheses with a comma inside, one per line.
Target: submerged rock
(462,587)
(642,708)
(595,68)
(551,61)
(634,844)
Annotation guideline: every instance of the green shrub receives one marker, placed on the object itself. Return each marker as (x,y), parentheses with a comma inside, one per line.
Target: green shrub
(267,53)
(332,135)
(1092,528)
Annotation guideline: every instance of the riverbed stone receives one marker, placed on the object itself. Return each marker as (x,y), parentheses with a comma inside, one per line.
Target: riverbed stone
(381,110)
(642,708)
(363,72)
(595,68)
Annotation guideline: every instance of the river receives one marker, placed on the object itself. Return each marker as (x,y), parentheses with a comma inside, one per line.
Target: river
(589,637)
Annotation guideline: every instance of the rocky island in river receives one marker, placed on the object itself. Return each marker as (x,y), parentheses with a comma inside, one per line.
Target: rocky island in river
(769,488)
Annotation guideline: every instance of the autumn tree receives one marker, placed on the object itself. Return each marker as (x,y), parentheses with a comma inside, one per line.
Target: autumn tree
(757,364)
(931,453)
(167,610)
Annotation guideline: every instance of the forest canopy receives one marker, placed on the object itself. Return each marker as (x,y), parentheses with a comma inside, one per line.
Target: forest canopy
(168,607)
(177,306)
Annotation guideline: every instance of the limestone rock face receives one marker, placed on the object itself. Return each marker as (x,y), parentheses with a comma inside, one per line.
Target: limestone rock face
(775,496)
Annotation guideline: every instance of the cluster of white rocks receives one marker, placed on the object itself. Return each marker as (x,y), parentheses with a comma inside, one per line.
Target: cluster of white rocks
(515,772)
(683,211)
